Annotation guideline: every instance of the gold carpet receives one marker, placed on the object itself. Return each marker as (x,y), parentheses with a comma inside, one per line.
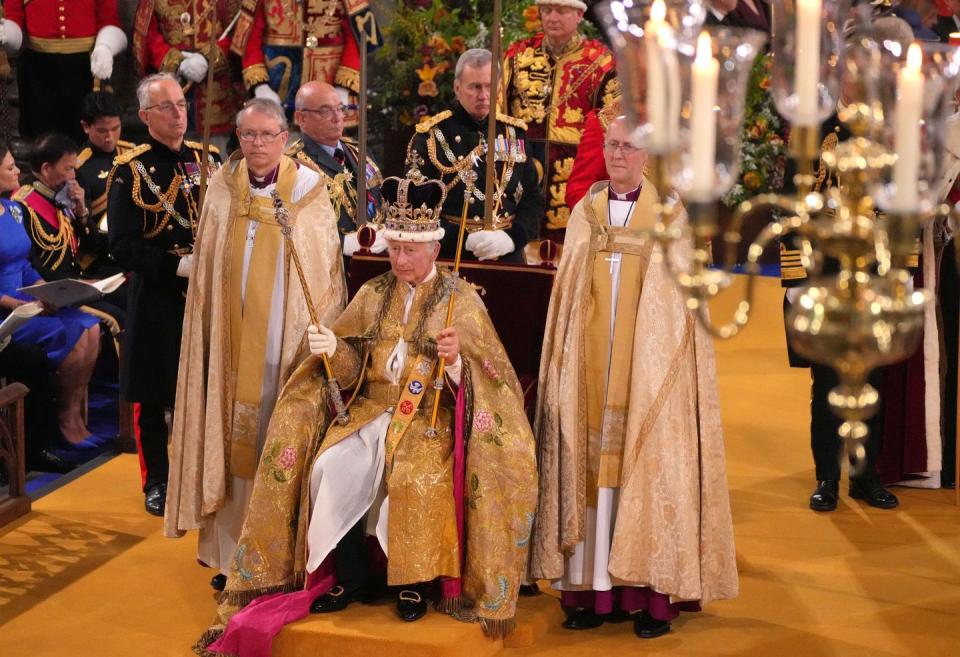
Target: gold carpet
(88,573)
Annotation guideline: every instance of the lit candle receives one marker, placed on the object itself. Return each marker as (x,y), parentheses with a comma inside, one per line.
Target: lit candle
(906,137)
(703,122)
(806,75)
(657,98)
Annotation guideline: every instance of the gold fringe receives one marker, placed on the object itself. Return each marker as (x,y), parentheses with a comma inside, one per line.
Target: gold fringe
(208,637)
(497,628)
(451,606)
(243,598)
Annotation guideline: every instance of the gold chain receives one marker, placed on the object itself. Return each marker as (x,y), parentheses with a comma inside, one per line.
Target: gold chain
(49,242)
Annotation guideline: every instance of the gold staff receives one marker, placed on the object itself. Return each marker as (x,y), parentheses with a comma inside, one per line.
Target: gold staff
(490,189)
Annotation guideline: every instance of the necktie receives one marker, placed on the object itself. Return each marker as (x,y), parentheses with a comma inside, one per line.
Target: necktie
(338,156)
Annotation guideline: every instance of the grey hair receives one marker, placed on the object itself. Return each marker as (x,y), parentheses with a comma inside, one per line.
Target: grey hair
(264,106)
(474,58)
(143,88)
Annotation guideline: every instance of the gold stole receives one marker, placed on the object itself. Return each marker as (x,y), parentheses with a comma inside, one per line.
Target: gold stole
(248,330)
(608,366)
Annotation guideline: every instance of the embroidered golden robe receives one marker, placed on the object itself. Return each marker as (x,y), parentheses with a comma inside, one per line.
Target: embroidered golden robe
(500,476)
(672,529)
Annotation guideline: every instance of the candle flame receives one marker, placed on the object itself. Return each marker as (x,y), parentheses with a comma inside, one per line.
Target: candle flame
(704,48)
(914,57)
(658,12)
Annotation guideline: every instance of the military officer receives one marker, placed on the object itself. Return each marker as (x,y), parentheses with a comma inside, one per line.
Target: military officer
(153,199)
(452,146)
(321,116)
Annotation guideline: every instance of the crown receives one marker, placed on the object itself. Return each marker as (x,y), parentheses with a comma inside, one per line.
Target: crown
(411,208)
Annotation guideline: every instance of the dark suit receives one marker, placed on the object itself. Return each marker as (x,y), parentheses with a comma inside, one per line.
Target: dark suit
(744,16)
(144,240)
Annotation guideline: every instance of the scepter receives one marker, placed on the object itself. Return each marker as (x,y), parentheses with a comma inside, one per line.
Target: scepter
(333,387)
(468,178)
(489,215)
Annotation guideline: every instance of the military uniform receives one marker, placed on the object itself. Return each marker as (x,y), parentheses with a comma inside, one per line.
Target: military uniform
(451,145)
(340,178)
(93,169)
(152,194)
(53,72)
(160,38)
(552,94)
(287,43)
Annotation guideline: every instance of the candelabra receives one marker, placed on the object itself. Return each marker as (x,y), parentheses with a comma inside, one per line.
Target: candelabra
(684,89)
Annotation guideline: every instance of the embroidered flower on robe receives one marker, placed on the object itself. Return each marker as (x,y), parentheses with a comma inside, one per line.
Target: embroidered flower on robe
(483,422)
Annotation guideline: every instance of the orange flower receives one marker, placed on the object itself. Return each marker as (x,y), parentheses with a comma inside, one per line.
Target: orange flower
(765,82)
(752,180)
(531,19)
(438,44)
(457,44)
(428,88)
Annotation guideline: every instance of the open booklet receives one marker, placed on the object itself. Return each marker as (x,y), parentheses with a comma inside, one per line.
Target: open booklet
(71,292)
(18,317)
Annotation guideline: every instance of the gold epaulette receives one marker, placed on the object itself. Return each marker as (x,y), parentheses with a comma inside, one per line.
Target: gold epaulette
(294,148)
(425,125)
(509,120)
(83,156)
(198,146)
(791,264)
(124,145)
(128,156)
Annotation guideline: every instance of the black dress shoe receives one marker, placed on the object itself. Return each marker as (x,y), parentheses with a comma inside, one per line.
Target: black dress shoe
(218,582)
(155,499)
(528,590)
(47,461)
(825,495)
(648,627)
(410,605)
(872,492)
(336,599)
(582,619)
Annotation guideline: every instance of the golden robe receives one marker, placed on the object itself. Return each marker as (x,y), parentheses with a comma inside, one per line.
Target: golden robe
(500,477)
(200,447)
(673,530)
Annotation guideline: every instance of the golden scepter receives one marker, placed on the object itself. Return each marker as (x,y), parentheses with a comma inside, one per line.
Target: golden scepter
(333,387)
(468,178)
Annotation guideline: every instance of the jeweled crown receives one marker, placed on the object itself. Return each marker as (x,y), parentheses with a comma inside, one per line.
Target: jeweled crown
(411,206)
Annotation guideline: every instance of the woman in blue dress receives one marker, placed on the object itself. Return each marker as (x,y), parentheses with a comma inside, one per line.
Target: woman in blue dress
(70,337)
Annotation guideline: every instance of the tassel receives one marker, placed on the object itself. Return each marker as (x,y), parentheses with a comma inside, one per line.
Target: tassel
(243,598)
(208,637)
(452,606)
(497,628)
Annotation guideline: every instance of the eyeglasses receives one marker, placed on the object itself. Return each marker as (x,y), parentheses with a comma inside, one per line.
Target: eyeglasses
(168,107)
(326,110)
(626,148)
(265,137)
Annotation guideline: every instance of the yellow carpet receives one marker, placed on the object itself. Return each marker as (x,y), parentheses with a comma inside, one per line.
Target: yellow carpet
(88,573)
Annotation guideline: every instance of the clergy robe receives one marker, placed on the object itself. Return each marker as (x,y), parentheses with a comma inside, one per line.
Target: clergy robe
(244,334)
(633,488)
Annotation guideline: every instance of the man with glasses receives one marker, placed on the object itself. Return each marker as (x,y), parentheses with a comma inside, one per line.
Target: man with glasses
(628,396)
(245,325)
(153,195)
(452,146)
(320,114)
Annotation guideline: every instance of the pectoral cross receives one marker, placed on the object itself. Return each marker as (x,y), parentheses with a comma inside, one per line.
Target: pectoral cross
(614,261)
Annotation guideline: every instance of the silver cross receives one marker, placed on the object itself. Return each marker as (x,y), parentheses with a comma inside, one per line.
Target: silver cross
(614,259)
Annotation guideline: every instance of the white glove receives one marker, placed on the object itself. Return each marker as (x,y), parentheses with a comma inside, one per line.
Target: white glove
(111,41)
(351,243)
(793,293)
(489,244)
(193,67)
(344,95)
(264,91)
(11,36)
(380,244)
(185,266)
(321,341)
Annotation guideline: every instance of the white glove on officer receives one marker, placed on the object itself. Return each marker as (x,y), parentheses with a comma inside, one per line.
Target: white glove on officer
(351,243)
(185,266)
(344,94)
(111,41)
(264,91)
(193,67)
(793,293)
(489,244)
(321,340)
(380,244)
(11,36)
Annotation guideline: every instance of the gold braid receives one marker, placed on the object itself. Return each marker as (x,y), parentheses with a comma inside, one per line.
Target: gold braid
(165,199)
(49,242)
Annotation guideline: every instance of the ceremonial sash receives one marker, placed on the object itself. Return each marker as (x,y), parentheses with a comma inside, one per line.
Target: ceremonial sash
(410,397)
(248,330)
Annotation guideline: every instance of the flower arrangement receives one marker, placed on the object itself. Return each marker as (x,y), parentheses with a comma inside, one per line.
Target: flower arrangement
(763,149)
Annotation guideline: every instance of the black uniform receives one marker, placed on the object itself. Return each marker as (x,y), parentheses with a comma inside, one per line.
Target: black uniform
(342,188)
(444,148)
(147,237)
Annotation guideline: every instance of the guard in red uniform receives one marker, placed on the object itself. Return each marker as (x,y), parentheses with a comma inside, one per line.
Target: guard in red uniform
(70,41)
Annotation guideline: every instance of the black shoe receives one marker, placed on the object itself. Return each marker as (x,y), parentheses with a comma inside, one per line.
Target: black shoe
(410,605)
(648,627)
(871,491)
(528,590)
(948,481)
(825,495)
(218,582)
(336,599)
(155,498)
(47,461)
(582,619)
